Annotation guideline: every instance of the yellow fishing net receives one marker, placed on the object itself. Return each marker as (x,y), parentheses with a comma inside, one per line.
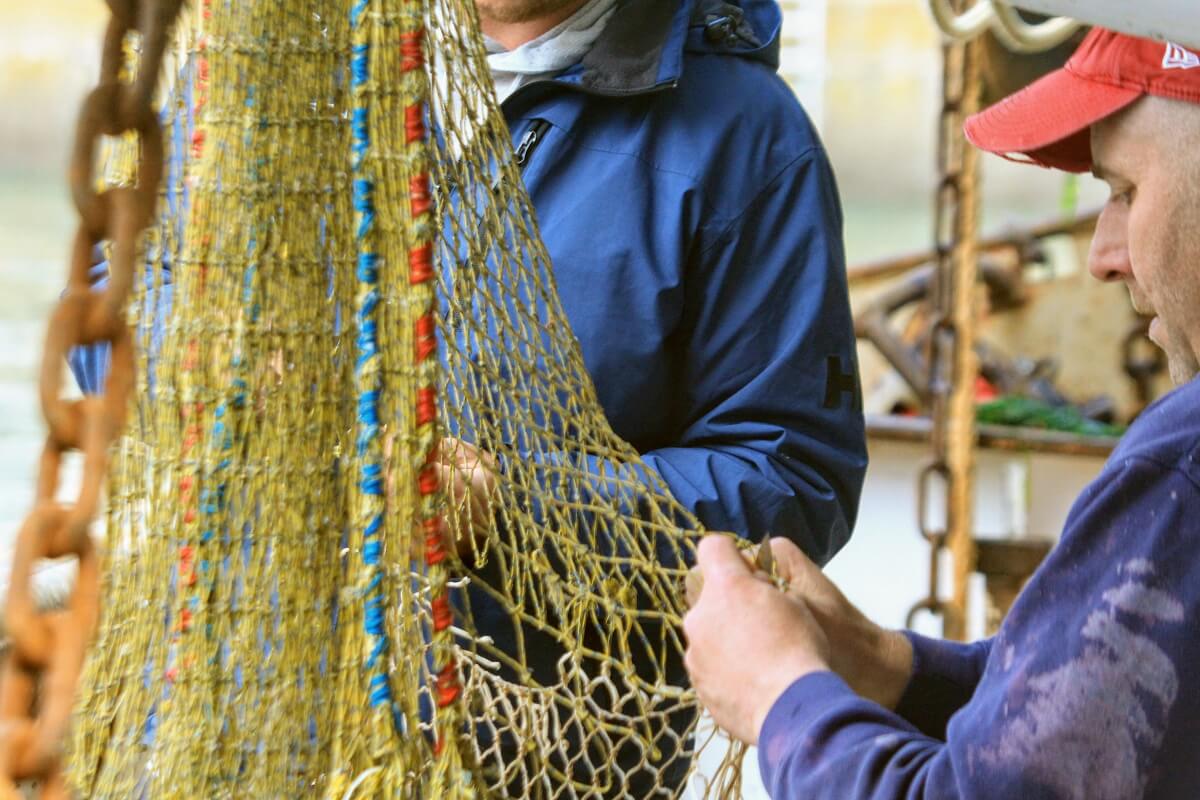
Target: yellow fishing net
(360,302)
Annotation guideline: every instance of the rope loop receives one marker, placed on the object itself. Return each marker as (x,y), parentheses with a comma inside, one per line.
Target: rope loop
(1004,22)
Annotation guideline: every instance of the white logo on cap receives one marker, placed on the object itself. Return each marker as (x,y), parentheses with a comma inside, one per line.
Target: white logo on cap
(1178,58)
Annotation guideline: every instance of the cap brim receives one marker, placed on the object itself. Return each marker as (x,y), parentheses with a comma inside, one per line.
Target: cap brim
(1048,121)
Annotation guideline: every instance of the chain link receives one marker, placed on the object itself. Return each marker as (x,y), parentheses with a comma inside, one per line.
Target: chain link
(46,649)
(950,340)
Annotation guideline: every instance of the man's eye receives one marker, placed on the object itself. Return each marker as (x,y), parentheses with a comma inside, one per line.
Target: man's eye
(1124,197)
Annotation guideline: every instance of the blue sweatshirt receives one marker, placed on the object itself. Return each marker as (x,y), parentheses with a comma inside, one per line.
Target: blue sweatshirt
(1090,690)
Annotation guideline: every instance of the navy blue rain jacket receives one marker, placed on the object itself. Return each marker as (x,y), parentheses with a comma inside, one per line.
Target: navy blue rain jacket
(696,235)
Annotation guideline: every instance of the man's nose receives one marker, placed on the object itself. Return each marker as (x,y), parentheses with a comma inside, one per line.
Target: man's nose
(1108,259)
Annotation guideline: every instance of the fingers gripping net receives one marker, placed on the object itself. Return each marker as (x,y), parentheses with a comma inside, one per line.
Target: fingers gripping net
(365,358)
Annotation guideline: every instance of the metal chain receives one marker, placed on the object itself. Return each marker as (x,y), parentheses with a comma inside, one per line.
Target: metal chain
(46,649)
(951,357)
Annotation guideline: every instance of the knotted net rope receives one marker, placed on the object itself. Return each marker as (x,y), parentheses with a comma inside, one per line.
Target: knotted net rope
(362,310)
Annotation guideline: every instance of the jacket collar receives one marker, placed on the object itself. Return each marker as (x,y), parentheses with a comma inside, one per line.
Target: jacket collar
(642,48)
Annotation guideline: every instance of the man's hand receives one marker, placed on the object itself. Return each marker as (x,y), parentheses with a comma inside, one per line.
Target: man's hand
(469,476)
(874,661)
(747,641)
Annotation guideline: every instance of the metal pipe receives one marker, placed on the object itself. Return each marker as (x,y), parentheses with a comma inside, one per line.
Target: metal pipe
(1014,239)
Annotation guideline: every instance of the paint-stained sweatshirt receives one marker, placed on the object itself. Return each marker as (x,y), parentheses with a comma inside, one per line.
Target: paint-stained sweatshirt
(1090,690)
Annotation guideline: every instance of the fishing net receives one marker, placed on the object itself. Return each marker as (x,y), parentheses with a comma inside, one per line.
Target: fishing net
(362,317)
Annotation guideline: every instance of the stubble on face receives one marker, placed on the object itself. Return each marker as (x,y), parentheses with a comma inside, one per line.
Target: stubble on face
(1179,285)
(509,12)
(1153,145)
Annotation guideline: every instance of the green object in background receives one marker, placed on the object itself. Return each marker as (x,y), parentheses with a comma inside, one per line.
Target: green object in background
(1029,413)
(1068,201)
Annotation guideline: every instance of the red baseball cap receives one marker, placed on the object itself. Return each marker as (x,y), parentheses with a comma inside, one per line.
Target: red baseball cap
(1048,121)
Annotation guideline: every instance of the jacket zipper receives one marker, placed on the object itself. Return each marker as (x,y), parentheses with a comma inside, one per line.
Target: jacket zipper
(530,140)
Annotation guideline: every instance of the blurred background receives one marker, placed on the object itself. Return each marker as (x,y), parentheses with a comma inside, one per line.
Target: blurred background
(869,72)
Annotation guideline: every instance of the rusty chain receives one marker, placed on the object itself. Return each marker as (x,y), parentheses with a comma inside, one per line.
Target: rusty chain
(951,342)
(46,649)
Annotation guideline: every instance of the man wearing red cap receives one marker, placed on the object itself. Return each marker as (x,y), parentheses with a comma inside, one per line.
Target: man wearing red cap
(1092,687)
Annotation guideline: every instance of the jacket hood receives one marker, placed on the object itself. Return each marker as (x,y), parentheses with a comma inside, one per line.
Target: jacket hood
(746,28)
(643,45)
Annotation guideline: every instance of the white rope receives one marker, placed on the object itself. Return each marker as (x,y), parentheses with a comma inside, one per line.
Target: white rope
(996,15)
(359,782)
(1018,35)
(966,25)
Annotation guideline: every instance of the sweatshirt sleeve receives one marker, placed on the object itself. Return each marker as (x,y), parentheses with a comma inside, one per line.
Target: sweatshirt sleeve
(773,440)
(945,675)
(1089,689)
(821,740)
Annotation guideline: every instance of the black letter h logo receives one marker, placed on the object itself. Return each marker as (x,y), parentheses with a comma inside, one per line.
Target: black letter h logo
(838,383)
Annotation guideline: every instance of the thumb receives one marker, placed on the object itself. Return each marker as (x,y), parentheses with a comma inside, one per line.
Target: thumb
(793,565)
(805,579)
(719,557)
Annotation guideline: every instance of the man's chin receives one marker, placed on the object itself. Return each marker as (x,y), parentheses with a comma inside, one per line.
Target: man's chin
(503,12)
(1157,333)
(514,12)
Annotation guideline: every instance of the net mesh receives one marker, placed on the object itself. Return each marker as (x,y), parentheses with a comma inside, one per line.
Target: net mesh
(303,596)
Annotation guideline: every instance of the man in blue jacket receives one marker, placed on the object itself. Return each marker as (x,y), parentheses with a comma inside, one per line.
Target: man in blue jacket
(695,231)
(694,226)
(1092,687)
